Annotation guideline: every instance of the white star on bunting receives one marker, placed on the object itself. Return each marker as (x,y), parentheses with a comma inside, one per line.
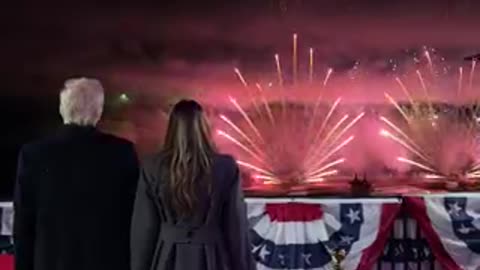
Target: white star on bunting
(255,248)
(306,258)
(353,215)
(464,230)
(264,253)
(346,239)
(426,251)
(454,209)
(415,253)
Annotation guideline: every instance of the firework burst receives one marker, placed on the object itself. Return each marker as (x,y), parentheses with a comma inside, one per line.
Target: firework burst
(442,140)
(287,142)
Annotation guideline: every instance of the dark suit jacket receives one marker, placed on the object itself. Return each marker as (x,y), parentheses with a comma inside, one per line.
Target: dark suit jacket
(215,237)
(73,202)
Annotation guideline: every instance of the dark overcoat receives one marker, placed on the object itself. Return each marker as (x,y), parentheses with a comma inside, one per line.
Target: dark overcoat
(215,237)
(73,202)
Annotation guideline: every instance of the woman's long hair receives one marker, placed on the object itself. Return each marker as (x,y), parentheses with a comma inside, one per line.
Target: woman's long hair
(188,155)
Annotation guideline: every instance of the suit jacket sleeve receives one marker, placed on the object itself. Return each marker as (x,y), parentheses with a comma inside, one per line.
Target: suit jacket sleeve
(236,227)
(24,211)
(145,226)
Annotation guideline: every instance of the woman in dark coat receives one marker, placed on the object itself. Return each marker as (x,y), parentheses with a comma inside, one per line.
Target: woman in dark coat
(189,212)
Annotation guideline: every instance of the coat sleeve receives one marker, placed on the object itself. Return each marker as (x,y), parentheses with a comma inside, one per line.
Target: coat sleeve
(131,175)
(24,219)
(130,181)
(236,227)
(145,226)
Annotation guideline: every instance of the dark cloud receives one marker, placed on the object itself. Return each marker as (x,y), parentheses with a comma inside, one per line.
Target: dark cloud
(153,46)
(85,35)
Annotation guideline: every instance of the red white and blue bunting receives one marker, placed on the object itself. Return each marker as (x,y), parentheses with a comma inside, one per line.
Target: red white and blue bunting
(304,234)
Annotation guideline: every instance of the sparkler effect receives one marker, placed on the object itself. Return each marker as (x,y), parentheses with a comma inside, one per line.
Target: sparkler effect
(241,145)
(310,66)
(279,70)
(327,77)
(442,143)
(430,62)
(289,142)
(460,80)
(294,60)
(253,167)
(240,77)
(472,74)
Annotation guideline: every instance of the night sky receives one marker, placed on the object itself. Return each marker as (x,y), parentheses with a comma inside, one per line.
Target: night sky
(162,46)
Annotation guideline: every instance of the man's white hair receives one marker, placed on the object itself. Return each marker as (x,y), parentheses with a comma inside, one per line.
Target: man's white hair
(81,101)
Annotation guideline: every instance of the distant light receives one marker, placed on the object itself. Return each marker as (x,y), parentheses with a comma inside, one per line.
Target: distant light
(124,98)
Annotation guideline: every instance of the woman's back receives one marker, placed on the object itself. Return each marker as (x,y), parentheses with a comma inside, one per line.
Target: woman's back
(213,237)
(189,211)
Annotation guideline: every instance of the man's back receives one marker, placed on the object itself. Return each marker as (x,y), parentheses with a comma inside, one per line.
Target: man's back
(74,201)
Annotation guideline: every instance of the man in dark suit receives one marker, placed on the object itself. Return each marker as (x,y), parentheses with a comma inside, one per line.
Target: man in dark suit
(75,191)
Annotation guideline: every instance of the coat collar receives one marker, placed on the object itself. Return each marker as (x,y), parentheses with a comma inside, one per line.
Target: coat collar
(72,129)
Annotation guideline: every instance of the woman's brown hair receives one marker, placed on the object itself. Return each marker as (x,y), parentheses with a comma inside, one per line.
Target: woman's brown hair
(188,155)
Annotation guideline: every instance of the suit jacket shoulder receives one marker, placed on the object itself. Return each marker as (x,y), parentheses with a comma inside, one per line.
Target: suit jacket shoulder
(38,146)
(46,152)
